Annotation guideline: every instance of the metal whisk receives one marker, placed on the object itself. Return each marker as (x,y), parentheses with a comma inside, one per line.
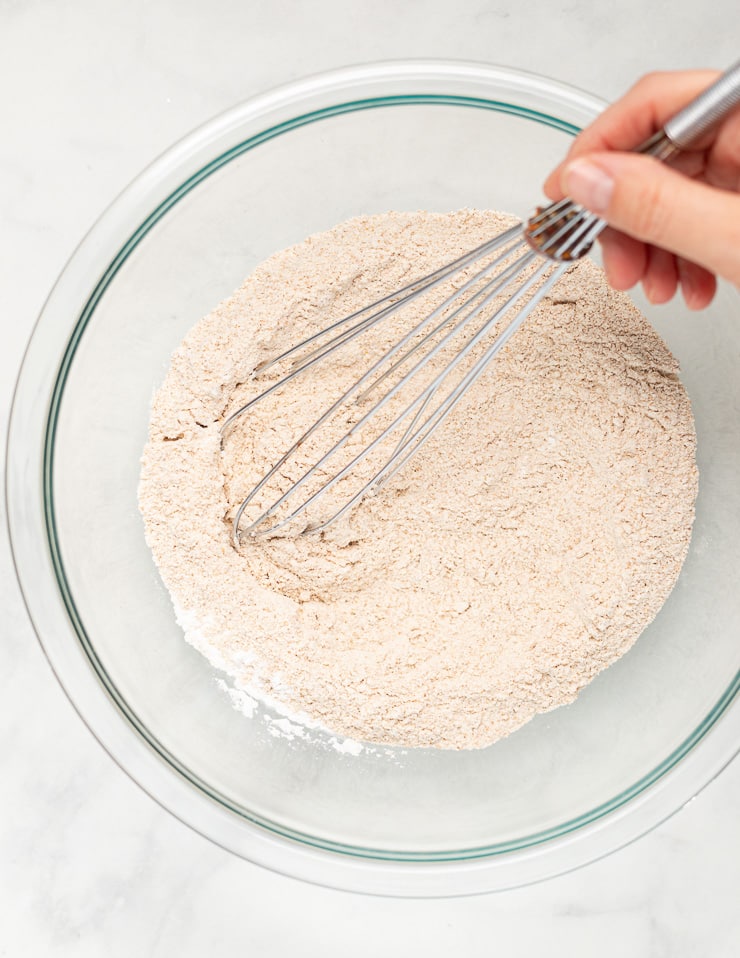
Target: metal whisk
(474,321)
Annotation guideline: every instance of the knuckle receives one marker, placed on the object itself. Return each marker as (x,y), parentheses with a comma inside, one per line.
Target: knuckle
(641,86)
(650,81)
(655,76)
(581,143)
(578,140)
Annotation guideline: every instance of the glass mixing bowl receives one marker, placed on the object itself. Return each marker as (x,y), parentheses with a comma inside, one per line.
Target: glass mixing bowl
(571,785)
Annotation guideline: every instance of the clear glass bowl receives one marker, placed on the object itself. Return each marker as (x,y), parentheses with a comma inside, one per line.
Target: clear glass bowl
(570,786)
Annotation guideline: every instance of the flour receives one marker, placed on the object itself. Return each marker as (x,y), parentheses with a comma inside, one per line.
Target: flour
(521,552)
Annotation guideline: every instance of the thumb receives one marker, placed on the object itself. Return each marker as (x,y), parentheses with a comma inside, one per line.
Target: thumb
(653,203)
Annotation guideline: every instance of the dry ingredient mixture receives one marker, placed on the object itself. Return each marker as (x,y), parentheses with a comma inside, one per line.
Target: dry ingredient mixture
(522,551)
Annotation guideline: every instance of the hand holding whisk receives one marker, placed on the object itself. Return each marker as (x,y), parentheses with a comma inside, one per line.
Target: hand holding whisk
(413,385)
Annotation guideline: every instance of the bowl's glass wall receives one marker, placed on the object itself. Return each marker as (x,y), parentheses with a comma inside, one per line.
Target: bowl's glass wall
(562,768)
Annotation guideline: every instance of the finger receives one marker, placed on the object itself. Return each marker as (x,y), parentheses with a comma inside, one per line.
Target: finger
(625,259)
(643,110)
(724,161)
(652,203)
(691,163)
(660,281)
(698,286)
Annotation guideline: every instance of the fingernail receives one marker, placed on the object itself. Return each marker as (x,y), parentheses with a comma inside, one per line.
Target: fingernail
(589,185)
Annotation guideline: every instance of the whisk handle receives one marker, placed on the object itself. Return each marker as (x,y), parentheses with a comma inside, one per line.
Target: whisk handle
(697,117)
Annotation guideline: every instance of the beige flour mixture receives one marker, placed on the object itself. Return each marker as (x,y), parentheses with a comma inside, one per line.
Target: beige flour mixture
(521,552)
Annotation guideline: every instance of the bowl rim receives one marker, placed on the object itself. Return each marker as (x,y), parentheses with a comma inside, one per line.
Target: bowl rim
(30,518)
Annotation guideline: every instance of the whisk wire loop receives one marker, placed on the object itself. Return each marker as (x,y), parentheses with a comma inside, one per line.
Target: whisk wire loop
(379,405)
(415,435)
(355,387)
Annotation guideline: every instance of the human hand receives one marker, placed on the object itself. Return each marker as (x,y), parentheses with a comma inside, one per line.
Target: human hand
(668,226)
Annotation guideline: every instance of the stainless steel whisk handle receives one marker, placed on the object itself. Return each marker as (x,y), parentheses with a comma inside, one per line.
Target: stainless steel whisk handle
(697,117)
(711,106)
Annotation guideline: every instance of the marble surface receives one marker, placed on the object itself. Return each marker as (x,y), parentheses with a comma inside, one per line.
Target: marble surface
(89,865)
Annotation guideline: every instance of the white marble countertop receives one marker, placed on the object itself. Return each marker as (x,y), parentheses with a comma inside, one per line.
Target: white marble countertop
(89,865)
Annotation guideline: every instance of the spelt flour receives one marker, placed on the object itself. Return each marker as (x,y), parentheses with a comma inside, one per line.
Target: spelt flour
(521,552)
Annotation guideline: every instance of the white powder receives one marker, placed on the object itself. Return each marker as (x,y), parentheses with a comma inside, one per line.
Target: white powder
(242,702)
(306,731)
(521,552)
